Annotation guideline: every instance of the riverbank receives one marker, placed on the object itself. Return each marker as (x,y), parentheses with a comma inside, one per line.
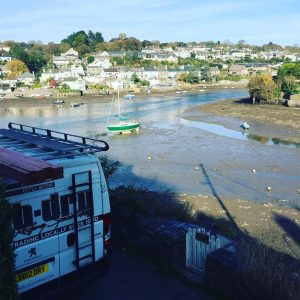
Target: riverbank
(46,98)
(266,121)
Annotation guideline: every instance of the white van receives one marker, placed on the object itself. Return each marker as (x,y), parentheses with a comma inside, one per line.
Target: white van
(56,185)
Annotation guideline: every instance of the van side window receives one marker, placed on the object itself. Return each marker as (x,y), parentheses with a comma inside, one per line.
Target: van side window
(64,205)
(22,216)
(50,209)
(84,201)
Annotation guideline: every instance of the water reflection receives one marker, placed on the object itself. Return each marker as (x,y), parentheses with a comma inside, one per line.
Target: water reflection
(240,135)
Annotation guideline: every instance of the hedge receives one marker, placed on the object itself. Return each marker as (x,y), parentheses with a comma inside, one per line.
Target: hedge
(8,286)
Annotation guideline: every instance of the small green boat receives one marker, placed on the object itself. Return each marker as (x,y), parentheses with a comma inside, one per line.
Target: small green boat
(123,126)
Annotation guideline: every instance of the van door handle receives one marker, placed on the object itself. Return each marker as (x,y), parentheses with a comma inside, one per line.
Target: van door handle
(70,239)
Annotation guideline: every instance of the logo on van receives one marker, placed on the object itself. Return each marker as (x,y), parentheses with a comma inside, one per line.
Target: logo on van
(32,252)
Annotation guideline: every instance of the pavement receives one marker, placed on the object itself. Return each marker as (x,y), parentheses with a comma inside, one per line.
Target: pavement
(132,277)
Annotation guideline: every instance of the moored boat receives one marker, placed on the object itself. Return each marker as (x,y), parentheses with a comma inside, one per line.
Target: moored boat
(129,96)
(123,125)
(245,125)
(58,101)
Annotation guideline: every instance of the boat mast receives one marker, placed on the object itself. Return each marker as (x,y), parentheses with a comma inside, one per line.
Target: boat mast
(119,103)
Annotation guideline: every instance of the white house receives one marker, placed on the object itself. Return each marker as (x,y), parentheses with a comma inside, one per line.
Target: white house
(67,58)
(5,58)
(75,83)
(56,74)
(71,53)
(96,67)
(4,48)
(27,78)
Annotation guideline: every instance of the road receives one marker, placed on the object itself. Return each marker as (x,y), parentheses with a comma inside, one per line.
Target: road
(132,277)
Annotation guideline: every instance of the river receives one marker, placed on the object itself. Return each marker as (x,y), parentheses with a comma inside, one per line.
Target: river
(166,154)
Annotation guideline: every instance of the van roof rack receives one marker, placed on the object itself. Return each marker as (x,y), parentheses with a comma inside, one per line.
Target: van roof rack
(49,139)
(26,152)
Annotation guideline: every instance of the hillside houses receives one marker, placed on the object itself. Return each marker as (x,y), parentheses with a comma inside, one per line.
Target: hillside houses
(104,68)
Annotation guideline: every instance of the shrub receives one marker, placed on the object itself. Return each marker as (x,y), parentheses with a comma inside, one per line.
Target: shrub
(263,88)
(8,285)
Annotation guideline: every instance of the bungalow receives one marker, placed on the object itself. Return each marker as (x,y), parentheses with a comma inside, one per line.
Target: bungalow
(60,61)
(110,73)
(114,53)
(238,70)
(74,83)
(214,71)
(160,56)
(26,78)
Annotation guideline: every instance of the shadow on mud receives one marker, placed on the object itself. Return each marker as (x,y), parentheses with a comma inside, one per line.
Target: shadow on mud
(141,219)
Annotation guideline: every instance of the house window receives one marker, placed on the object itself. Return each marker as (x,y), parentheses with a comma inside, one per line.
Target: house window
(50,208)
(22,216)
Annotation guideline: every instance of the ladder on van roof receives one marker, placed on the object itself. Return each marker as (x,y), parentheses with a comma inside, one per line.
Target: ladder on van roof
(89,212)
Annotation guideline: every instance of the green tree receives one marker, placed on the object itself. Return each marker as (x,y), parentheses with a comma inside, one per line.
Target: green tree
(289,69)
(36,60)
(8,287)
(289,85)
(205,74)
(146,43)
(134,78)
(90,59)
(76,39)
(18,52)
(132,44)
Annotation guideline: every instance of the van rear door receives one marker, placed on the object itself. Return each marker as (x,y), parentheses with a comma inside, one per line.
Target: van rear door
(36,239)
(81,239)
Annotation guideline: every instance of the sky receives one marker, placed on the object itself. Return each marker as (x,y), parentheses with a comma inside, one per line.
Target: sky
(255,21)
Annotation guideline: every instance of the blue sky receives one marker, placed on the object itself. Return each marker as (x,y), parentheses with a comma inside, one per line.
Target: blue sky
(256,21)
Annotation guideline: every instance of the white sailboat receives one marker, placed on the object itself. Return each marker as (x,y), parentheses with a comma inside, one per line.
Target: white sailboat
(122,126)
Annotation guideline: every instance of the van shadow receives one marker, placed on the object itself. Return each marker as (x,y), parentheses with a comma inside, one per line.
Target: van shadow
(258,271)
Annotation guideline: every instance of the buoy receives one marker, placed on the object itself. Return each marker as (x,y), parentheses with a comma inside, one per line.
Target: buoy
(253,171)
(269,188)
(149,157)
(196,168)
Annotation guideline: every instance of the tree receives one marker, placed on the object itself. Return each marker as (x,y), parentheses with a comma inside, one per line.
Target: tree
(289,69)
(16,68)
(263,88)
(205,74)
(146,43)
(289,85)
(134,78)
(90,59)
(18,52)
(132,44)
(36,60)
